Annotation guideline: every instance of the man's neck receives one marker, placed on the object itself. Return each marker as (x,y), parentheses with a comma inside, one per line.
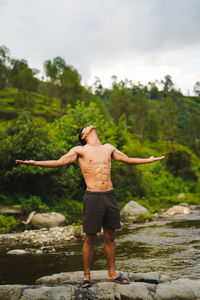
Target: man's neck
(93,140)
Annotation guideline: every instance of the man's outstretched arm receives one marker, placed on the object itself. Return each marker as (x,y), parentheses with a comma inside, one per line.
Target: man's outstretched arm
(66,159)
(120,156)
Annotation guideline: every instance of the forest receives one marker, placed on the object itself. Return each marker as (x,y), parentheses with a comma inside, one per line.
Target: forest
(40,119)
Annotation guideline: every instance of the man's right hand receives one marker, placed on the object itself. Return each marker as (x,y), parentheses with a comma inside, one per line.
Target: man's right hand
(25,162)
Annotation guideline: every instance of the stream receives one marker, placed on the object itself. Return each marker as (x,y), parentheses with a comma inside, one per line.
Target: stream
(171,247)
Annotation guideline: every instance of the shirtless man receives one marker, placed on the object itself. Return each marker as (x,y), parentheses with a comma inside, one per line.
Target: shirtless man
(100,207)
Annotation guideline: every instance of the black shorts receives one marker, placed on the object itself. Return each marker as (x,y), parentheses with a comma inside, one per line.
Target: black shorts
(100,209)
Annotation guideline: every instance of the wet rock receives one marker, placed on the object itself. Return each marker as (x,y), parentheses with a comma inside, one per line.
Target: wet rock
(17,252)
(181,196)
(76,277)
(38,251)
(11,292)
(176,290)
(59,292)
(177,209)
(65,286)
(42,237)
(48,220)
(133,208)
(11,210)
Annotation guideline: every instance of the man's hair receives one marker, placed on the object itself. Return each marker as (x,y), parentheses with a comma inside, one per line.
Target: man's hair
(82,141)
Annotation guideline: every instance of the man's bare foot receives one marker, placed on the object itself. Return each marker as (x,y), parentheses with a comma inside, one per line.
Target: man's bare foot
(86,281)
(118,279)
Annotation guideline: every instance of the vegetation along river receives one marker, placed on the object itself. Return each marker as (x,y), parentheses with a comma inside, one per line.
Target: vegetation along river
(170,247)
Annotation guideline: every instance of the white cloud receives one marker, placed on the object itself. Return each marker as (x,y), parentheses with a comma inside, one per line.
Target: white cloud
(140,40)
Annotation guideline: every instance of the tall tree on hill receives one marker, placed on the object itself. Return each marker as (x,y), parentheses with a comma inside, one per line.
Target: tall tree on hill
(152,128)
(141,110)
(197,88)
(23,78)
(167,83)
(65,81)
(4,70)
(192,130)
(169,116)
(53,69)
(120,102)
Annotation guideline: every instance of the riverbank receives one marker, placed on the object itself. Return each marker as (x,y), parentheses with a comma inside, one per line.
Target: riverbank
(43,236)
(144,286)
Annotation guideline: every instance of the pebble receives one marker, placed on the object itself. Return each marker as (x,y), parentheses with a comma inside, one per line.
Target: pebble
(41,236)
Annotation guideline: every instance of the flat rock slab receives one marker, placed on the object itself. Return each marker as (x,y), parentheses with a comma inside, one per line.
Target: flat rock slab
(64,286)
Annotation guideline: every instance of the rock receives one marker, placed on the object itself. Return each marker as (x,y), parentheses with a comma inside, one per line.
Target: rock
(48,220)
(11,292)
(38,251)
(181,196)
(29,218)
(176,291)
(177,209)
(132,208)
(76,277)
(11,210)
(65,286)
(17,252)
(44,292)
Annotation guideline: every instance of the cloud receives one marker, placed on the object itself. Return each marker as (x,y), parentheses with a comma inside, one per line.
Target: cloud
(129,38)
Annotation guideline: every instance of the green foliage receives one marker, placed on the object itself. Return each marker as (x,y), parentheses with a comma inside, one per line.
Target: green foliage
(179,164)
(8,224)
(68,127)
(71,209)
(33,203)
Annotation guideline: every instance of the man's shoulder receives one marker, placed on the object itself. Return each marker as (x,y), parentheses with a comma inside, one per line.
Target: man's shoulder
(108,145)
(77,149)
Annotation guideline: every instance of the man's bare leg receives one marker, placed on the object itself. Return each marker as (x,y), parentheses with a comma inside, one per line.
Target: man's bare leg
(109,248)
(88,246)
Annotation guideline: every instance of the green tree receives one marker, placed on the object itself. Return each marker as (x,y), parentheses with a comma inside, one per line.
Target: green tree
(169,116)
(197,88)
(167,83)
(192,133)
(152,129)
(120,102)
(4,69)
(141,110)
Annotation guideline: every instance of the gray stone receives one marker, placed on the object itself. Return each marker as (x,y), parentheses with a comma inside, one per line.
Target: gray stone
(48,293)
(11,292)
(10,210)
(165,278)
(151,276)
(176,210)
(132,208)
(17,252)
(177,291)
(51,219)
(194,285)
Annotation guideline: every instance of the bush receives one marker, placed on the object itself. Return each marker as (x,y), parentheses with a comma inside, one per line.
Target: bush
(8,224)
(71,209)
(179,164)
(33,203)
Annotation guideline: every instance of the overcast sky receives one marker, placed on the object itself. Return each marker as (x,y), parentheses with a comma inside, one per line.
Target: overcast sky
(141,40)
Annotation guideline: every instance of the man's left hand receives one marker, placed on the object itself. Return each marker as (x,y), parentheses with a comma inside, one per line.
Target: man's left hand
(152,158)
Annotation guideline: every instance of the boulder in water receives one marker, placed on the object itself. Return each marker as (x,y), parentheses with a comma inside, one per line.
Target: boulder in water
(51,219)
(177,209)
(17,252)
(132,208)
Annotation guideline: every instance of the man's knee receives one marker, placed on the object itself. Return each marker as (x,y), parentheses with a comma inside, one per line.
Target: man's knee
(90,238)
(109,235)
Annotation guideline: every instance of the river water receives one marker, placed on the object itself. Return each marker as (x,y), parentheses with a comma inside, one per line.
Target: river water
(171,247)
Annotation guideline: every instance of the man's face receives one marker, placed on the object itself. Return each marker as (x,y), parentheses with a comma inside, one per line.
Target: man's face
(87,130)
